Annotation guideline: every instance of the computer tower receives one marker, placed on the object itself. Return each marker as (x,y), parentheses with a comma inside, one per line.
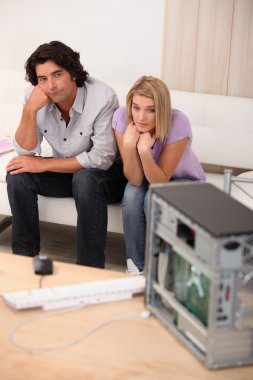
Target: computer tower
(199,270)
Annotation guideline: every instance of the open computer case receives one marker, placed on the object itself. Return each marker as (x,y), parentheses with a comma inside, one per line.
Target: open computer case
(199,270)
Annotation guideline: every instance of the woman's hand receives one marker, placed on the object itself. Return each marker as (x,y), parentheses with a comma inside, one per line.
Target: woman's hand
(131,136)
(145,143)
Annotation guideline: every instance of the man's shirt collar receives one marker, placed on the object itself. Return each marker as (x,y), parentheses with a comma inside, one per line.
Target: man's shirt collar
(78,103)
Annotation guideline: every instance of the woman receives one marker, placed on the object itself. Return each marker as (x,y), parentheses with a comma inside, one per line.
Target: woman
(154,141)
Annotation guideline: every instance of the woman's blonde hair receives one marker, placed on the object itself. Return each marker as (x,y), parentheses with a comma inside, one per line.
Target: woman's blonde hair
(156,90)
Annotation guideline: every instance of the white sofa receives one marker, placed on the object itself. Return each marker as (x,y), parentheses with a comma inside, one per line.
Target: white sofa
(222,135)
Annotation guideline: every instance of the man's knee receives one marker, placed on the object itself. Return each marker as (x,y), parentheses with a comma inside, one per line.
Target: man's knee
(18,181)
(87,181)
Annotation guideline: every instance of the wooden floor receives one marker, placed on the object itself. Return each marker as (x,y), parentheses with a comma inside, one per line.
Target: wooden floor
(58,242)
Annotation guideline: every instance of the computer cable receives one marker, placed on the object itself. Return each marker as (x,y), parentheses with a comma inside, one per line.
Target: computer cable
(33,347)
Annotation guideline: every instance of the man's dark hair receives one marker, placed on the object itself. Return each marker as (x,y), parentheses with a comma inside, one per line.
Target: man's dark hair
(60,54)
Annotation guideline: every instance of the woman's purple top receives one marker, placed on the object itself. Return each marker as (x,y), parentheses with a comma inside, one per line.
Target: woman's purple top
(189,166)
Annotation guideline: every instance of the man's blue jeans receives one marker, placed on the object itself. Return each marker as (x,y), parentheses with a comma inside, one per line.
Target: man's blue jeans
(91,189)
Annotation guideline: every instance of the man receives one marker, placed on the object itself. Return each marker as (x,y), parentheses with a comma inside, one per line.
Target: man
(73,113)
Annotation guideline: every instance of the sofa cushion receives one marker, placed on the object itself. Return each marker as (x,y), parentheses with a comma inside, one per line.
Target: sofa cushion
(4,160)
(12,87)
(222,127)
(226,147)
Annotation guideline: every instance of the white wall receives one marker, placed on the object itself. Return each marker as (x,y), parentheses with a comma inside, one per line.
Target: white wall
(119,40)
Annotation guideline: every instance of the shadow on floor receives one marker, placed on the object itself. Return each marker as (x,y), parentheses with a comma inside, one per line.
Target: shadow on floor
(58,242)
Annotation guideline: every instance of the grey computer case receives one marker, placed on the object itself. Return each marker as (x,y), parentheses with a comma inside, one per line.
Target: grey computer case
(199,270)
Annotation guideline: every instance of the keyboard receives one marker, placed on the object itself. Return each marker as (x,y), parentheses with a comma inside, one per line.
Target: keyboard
(81,294)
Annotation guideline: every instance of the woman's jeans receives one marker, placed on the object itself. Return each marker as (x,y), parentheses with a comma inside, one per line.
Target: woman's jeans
(91,189)
(134,222)
(134,210)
